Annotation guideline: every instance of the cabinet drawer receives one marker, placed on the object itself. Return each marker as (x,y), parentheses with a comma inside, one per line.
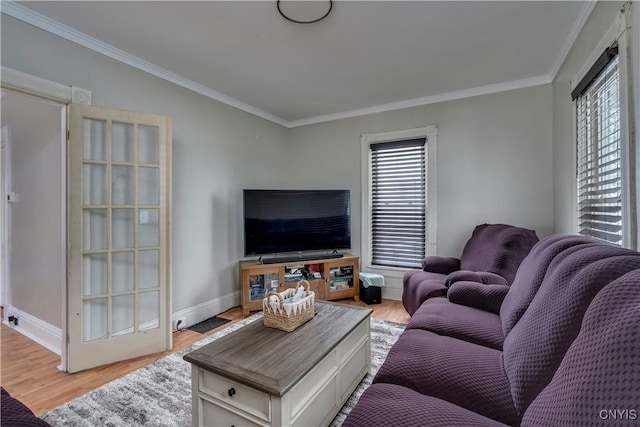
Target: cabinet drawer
(320,409)
(215,415)
(354,369)
(351,342)
(304,391)
(252,401)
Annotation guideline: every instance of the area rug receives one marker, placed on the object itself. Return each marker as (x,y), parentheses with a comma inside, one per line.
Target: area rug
(159,394)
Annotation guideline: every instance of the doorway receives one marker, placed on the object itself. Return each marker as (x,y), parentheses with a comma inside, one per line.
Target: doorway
(33,276)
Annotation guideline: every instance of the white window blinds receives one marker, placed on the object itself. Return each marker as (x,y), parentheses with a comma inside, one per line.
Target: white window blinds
(599,157)
(398,203)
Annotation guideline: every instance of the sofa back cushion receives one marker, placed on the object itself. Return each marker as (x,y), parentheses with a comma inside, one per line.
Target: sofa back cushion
(536,345)
(497,248)
(598,380)
(530,275)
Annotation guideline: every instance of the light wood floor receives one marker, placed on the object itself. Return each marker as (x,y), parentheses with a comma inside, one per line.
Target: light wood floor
(29,372)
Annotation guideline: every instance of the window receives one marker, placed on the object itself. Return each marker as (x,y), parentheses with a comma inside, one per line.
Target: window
(599,154)
(397,220)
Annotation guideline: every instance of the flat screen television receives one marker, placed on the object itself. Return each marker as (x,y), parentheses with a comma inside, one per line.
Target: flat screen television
(278,221)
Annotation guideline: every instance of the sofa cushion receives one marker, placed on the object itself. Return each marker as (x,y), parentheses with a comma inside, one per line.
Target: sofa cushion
(396,406)
(440,265)
(475,276)
(469,324)
(530,275)
(600,370)
(497,248)
(478,295)
(537,343)
(459,372)
(418,286)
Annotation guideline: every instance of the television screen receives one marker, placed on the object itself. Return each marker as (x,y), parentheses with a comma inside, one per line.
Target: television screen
(277,221)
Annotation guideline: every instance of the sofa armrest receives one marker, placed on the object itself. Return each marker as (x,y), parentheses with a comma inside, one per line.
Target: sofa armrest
(484,277)
(441,265)
(478,295)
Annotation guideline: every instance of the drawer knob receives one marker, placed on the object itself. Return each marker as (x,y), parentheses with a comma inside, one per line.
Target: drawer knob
(231,392)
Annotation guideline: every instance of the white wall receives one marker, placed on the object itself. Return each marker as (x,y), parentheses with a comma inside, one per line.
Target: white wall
(217,151)
(36,264)
(563,116)
(494,160)
(494,157)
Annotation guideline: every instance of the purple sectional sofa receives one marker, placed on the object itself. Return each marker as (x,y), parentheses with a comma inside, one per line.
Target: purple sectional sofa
(562,348)
(491,256)
(14,413)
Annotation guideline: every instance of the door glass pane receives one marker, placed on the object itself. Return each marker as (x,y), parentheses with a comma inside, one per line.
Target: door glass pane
(122,142)
(94,319)
(148,232)
(94,182)
(148,189)
(148,145)
(94,229)
(122,228)
(122,271)
(95,139)
(94,274)
(122,185)
(148,266)
(148,310)
(122,315)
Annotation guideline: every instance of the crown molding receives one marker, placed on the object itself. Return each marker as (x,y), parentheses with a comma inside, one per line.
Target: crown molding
(42,22)
(433,99)
(584,15)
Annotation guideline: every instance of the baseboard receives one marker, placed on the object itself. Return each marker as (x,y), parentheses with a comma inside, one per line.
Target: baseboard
(50,336)
(198,313)
(45,334)
(389,292)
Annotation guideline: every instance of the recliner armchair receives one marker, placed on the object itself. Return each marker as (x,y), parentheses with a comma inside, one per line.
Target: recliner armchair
(491,256)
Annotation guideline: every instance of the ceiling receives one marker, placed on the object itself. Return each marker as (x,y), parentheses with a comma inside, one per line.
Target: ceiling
(366,56)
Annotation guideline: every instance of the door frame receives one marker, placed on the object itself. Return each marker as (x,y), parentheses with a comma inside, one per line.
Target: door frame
(4,176)
(45,89)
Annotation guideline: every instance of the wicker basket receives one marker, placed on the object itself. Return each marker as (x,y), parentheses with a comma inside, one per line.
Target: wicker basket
(289,309)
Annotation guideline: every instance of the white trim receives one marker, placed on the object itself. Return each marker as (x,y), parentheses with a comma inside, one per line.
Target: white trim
(613,33)
(36,329)
(634,36)
(63,227)
(42,22)
(618,31)
(394,293)
(4,144)
(6,182)
(585,12)
(431,135)
(629,175)
(45,89)
(33,85)
(198,313)
(50,336)
(432,99)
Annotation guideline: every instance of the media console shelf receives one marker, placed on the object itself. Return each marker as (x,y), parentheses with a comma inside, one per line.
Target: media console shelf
(330,279)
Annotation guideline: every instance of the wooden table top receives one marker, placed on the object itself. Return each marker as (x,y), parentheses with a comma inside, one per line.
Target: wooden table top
(272,360)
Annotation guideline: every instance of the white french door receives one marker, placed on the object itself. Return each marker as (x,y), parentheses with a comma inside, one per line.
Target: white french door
(119,256)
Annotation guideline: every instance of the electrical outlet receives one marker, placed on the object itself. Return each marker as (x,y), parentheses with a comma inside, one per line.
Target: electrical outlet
(179,323)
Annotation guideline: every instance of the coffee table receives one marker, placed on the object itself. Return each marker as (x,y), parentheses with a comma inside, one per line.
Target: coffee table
(260,376)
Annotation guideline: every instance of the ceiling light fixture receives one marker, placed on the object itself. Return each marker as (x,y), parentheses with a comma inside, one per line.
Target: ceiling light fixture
(304,12)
